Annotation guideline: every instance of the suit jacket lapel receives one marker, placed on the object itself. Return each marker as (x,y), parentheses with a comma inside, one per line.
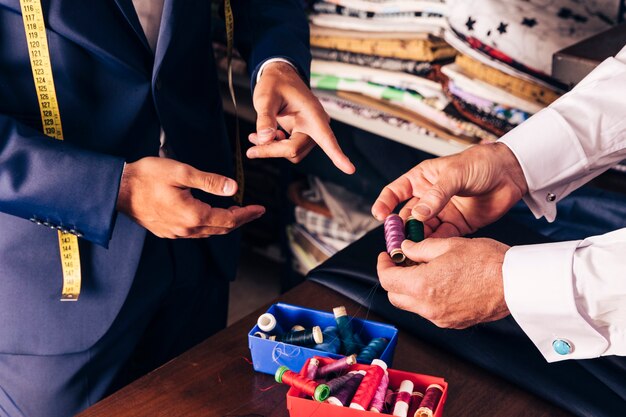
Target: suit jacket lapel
(128,10)
(172,13)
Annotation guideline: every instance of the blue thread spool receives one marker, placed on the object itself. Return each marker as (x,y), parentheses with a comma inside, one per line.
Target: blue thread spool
(332,343)
(303,337)
(373,350)
(346,333)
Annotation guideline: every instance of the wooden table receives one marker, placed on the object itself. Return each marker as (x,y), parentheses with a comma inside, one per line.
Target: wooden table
(216,377)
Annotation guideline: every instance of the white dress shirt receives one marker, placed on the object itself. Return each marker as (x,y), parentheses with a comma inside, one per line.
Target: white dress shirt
(573,292)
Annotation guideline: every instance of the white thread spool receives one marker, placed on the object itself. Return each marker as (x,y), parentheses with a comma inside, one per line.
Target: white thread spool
(267,322)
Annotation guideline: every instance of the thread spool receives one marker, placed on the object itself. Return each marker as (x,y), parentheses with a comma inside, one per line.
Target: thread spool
(297,328)
(346,333)
(336,367)
(268,324)
(264,336)
(332,343)
(416,400)
(403,400)
(319,392)
(311,369)
(373,350)
(336,383)
(378,402)
(394,236)
(363,396)
(414,229)
(390,400)
(303,337)
(345,393)
(430,401)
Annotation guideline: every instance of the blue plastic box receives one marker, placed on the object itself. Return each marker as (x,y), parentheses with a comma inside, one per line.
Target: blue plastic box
(269,355)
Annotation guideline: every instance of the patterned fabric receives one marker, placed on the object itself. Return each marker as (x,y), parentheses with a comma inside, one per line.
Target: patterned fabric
(433,26)
(430,6)
(326,7)
(527,33)
(524,89)
(431,49)
(419,68)
(323,226)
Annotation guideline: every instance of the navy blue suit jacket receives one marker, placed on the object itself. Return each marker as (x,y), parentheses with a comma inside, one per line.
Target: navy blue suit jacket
(114,96)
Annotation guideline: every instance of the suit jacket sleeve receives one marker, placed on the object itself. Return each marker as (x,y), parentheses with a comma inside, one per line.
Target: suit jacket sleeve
(267,29)
(51,181)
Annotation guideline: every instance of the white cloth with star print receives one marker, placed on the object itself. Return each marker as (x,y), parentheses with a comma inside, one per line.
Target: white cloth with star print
(531,31)
(572,290)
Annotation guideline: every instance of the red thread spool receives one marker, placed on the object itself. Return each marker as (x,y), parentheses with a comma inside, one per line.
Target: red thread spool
(364,395)
(430,402)
(319,392)
(416,401)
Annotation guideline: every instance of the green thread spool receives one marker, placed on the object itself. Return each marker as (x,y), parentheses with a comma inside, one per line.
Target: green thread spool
(346,333)
(414,230)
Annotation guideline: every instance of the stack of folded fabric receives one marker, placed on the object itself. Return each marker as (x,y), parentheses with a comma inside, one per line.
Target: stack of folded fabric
(327,219)
(501,75)
(381,55)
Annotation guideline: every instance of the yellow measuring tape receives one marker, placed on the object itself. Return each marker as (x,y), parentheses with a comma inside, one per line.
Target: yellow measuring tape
(41,67)
(230,38)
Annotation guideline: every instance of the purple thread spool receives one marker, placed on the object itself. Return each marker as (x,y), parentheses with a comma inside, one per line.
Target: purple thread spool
(378,402)
(430,401)
(394,236)
(344,395)
(311,370)
(336,383)
(336,367)
(416,401)
(390,400)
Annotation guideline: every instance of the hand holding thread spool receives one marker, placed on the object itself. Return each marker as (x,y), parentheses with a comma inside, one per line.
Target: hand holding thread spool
(394,236)
(319,392)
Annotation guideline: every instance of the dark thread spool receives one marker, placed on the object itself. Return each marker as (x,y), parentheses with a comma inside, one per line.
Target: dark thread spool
(394,236)
(336,383)
(373,350)
(336,367)
(346,333)
(319,392)
(416,401)
(344,394)
(430,401)
(307,337)
(390,400)
(414,230)
(311,370)
(363,396)
(378,402)
(332,342)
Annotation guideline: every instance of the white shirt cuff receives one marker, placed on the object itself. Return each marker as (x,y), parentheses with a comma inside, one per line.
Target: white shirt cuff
(550,155)
(269,61)
(540,293)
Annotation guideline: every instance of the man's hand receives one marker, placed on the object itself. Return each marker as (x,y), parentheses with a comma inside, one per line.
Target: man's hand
(156,193)
(458,194)
(281,97)
(457,284)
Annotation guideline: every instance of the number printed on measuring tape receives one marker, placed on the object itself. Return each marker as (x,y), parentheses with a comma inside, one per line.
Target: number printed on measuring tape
(41,66)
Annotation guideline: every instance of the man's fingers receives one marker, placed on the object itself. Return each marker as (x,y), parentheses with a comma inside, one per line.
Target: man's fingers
(267,105)
(293,148)
(325,138)
(446,230)
(427,249)
(399,279)
(403,301)
(254,138)
(232,218)
(188,177)
(435,198)
(393,194)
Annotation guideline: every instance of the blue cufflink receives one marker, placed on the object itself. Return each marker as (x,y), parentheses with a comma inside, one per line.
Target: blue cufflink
(562,347)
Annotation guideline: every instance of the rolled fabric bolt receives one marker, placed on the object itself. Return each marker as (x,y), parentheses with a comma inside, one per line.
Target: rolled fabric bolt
(346,333)
(373,350)
(264,336)
(345,393)
(303,337)
(311,371)
(414,229)
(394,236)
(336,383)
(430,401)
(416,400)
(319,392)
(378,402)
(297,328)
(332,343)
(268,324)
(337,366)
(403,400)
(364,395)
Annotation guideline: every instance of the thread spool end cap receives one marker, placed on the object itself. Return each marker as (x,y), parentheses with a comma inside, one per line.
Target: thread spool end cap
(318,336)
(340,311)
(322,392)
(279,374)
(380,363)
